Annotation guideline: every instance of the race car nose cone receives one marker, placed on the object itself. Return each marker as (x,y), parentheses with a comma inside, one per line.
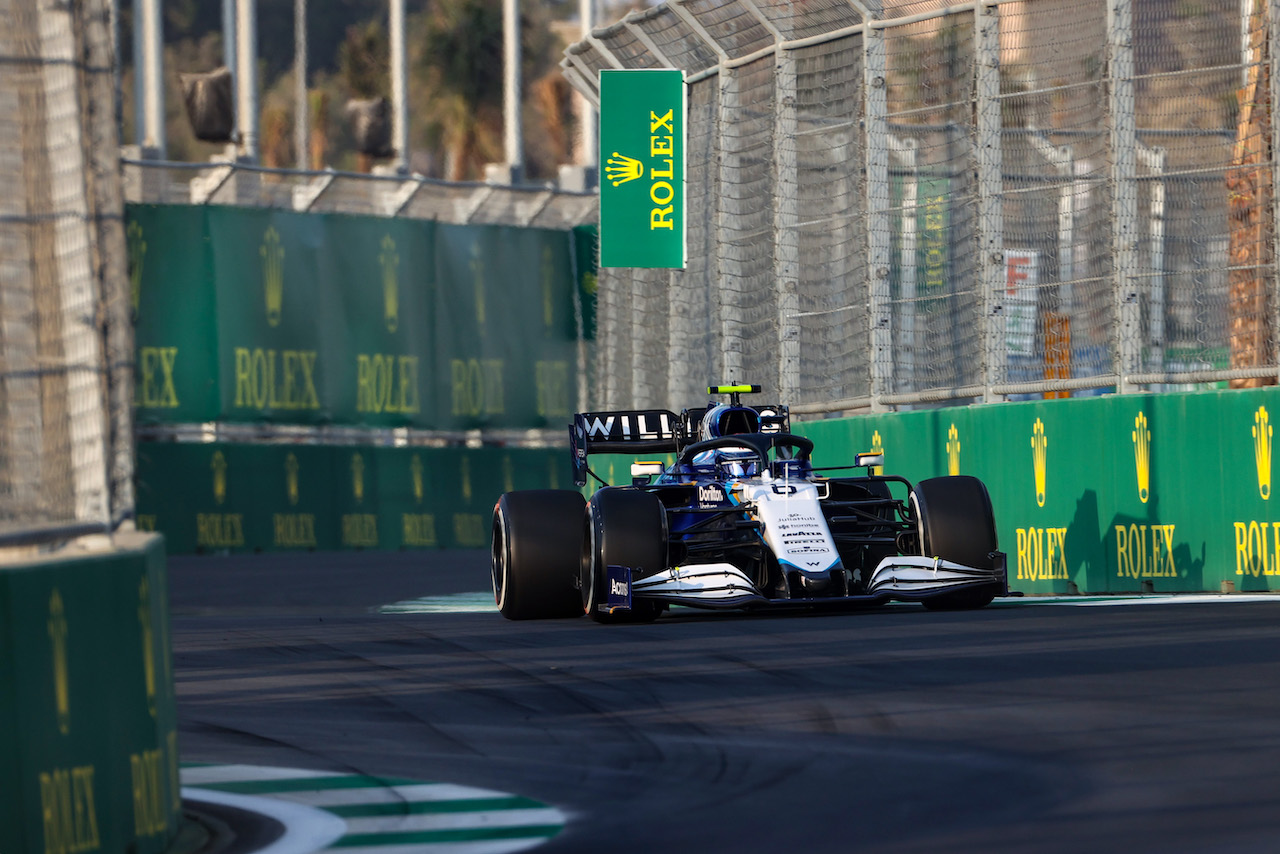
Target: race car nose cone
(826,585)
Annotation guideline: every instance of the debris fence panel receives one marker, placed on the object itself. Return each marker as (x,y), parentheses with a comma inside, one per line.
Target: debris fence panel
(65,349)
(913,209)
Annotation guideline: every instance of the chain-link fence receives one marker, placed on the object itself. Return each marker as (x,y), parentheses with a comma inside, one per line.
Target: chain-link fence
(410,196)
(66,458)
(927,203)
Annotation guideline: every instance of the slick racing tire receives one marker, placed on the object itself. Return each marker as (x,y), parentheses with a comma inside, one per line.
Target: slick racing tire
(537,537)
(624,527)
(956,523)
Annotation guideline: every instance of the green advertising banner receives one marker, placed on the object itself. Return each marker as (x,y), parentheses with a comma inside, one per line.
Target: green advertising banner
(384,277)
(174,310)
(1124,493)
(272,308)
(88,718)
(507,342)
(586,247)
(237,497)
(642,142)
(254,315)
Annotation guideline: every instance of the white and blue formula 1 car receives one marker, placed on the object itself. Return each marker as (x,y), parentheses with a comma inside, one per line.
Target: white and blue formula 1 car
(742,520)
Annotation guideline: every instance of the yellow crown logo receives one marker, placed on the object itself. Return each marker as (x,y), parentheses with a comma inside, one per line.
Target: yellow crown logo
(953,451)
(357,477)
(1039,446)
(1142,456)
(390,262)
(291,478)
(61,682)
(219,466)
(273,274)
(137,254)
(1262,431)
(466,479)
(415,469)
(620,169)
(148,645)
(877,447)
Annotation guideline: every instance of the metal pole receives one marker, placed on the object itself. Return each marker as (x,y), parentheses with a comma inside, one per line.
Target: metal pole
(879,311)
(512,132)
(399,90)
(229,38)
(907,151)
(589,142)
(153,76)
(302,109)
(247,77)
(786,218)
(1124,180)
(1156,160)
(991,261)
(1273,88)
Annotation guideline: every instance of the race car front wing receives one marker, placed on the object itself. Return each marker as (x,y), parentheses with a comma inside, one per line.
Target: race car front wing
(904,578)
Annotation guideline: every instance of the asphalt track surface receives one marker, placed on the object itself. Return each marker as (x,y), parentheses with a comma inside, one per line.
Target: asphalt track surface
(1019,728)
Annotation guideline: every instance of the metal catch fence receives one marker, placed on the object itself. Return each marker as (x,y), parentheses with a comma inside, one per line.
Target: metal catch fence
(66,347)
(916,204)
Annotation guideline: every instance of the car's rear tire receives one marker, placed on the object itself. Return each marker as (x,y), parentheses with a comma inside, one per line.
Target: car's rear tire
(537,538)
(956,523)
(624,527)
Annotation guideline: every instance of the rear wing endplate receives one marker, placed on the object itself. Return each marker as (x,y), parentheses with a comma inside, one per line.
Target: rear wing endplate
(638,431)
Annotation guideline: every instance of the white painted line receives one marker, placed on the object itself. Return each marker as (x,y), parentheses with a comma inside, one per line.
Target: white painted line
(455,603)
(1178,599)
(479,846)
(306,830)
(388,794)
(209,774)
(456,820)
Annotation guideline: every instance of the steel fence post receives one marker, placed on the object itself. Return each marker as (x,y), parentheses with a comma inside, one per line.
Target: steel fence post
(990,237)
(1124,188)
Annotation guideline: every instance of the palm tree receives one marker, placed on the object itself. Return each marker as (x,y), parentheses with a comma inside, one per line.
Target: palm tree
(456,52)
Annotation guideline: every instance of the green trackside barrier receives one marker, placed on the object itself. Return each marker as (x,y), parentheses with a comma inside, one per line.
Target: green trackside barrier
(240,497)
(256,315)
(1124,493)
(88,726)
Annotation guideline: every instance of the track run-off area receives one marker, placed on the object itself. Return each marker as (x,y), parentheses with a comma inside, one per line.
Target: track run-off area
(1035,725)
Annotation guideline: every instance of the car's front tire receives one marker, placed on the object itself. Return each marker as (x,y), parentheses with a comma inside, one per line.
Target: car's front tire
(624,527)
(956,523)
(537,538)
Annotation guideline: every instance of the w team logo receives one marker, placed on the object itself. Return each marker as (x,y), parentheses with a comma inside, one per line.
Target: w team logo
(1039,458)
(1142,456)
(1262,431)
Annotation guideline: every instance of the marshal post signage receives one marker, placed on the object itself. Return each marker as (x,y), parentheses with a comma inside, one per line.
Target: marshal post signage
(642,148)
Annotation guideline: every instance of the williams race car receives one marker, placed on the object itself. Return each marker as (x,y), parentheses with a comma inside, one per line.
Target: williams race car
(741,519)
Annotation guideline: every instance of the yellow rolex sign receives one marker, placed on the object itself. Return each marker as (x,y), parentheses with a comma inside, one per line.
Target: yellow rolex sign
(642,151)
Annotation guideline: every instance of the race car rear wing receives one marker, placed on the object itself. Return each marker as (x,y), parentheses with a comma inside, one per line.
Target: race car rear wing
(640,431)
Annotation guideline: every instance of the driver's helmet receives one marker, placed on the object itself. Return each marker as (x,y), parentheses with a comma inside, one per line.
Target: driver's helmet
(732,462)
(728,420)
